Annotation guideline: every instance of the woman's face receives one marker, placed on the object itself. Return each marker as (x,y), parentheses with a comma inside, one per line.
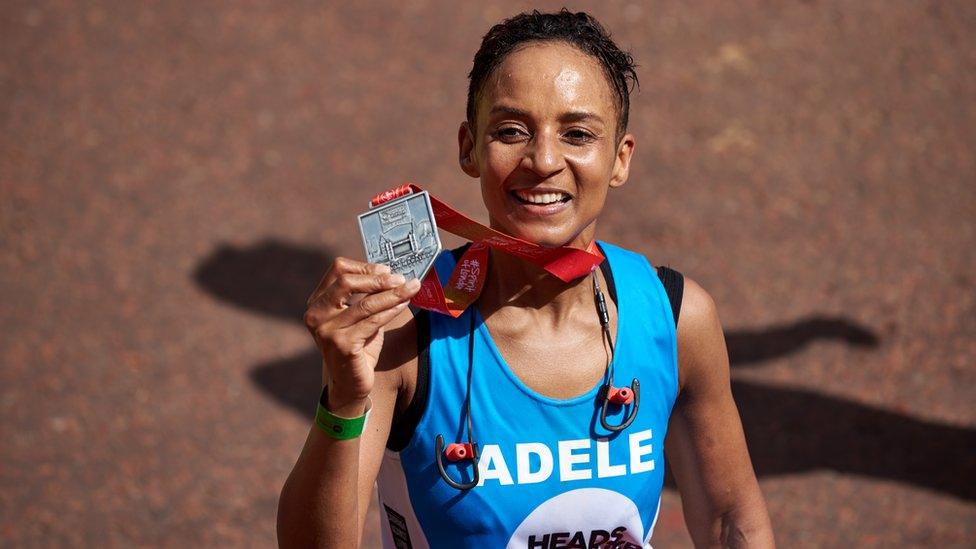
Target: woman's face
(545,146)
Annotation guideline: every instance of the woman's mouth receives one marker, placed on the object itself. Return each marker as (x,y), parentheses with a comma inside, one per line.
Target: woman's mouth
(536,198)
(539,203)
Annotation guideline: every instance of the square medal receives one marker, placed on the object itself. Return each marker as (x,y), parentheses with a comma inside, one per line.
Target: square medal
(402,233)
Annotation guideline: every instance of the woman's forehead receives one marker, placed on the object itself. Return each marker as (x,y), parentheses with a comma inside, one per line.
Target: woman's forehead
(550,75)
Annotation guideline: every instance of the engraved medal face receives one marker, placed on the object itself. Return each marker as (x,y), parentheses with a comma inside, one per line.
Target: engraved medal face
(402,233)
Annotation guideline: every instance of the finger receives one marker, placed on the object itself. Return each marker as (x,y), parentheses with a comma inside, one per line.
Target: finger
(377,303)
(342,266)
(368,327)
(347,289)
(338,294)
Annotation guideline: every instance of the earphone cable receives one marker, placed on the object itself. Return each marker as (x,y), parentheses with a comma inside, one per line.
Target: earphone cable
(468,390)
(601,307)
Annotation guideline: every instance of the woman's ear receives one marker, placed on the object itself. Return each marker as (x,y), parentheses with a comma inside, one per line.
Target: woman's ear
(621,164)
(466,151)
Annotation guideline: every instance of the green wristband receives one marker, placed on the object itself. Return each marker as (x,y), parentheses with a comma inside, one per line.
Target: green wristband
(341,428)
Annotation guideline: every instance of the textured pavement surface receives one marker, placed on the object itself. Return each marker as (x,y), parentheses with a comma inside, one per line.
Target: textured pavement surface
(175,176)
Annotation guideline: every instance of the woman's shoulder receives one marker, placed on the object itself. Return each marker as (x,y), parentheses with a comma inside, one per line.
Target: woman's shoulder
(701,342)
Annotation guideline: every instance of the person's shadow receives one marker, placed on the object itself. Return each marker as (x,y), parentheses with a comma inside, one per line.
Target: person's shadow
(789,430)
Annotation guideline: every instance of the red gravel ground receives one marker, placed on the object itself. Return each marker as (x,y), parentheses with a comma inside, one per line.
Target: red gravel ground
(175,176)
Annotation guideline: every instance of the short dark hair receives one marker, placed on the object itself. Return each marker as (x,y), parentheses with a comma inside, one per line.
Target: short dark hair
(581,30)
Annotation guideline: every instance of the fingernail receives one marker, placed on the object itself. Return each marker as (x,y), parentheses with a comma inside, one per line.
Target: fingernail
(395,279)
(382,268)
(413,284)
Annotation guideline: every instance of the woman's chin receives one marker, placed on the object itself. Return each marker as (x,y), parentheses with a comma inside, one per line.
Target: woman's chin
(543,234)
(546,239)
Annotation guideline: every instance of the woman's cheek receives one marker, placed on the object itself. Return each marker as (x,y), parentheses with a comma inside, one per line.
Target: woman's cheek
(500,164)
(587,157)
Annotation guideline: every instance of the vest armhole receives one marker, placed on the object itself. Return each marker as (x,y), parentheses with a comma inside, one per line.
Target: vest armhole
(674,286)
(402,429)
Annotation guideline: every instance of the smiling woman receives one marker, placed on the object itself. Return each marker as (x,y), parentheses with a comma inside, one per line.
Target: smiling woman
(562,458)
(546,143)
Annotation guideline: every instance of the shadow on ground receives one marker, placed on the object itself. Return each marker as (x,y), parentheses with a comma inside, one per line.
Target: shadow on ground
(791,430)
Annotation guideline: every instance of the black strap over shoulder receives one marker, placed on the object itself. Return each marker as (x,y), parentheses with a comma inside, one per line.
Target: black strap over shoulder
(674,285)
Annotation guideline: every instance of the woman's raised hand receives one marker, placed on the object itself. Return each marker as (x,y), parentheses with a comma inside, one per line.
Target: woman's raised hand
(346,315)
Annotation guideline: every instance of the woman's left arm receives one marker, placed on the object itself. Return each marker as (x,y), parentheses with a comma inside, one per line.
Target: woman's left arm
(705,445)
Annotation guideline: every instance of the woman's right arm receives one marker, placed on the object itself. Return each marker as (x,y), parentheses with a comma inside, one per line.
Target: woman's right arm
(323,503)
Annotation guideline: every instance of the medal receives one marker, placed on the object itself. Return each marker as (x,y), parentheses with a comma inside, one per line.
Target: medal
(402,234)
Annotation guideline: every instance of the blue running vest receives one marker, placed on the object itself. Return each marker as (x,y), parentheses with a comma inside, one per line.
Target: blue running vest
(550,475)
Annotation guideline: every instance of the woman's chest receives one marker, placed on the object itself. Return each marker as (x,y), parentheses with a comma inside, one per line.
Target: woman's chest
(557,364)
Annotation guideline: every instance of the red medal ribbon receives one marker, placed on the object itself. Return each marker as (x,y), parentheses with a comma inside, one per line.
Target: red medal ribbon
(464,286)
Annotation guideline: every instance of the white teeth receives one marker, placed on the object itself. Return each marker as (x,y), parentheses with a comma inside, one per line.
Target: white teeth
(541,198)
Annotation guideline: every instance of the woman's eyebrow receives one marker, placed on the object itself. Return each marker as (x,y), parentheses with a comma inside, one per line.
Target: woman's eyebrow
(580,116)
(571,116)
(511,111)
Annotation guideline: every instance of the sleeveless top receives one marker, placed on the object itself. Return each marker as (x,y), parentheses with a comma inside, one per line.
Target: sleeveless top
(551,476)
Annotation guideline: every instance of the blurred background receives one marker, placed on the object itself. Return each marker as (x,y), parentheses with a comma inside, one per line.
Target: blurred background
(176,176)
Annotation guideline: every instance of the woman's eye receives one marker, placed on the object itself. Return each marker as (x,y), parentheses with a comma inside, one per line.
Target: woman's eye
(510,133)
(579,136)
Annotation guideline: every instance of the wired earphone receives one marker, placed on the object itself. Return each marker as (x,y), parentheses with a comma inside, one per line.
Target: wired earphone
(463,451)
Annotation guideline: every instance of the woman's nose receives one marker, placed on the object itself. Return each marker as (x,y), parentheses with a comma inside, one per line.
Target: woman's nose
(543,155)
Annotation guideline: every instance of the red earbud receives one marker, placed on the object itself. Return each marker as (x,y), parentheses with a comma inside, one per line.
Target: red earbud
(456,451)
(620,396)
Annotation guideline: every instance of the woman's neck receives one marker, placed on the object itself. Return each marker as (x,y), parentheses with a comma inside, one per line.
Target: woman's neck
(515,283)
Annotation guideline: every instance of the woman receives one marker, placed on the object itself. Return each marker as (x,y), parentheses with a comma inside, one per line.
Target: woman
(525,372)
